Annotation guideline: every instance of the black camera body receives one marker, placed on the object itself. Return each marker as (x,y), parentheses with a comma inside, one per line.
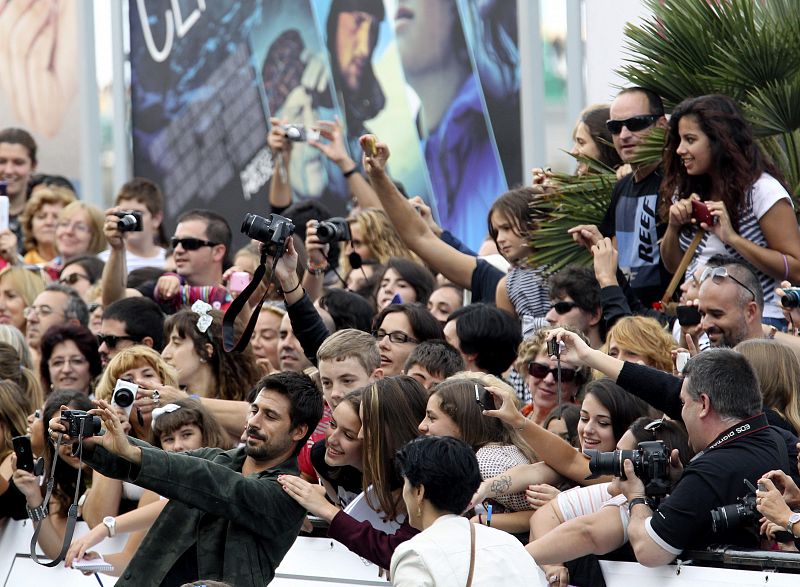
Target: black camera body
(650,463)
(791,297)
(129,221)
(334,229)
(743,512)
(272,231)
(80,423)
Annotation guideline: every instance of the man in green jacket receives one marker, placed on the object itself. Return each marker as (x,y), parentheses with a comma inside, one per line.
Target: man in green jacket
(228,518)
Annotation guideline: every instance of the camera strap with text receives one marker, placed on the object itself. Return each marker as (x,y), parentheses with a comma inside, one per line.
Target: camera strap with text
(72,514)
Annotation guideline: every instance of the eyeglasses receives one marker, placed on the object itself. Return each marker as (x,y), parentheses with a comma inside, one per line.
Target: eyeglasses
(190,244)
(540,371)
(717,274)
(396,337)
(112,340)
(76,226)
(42,311)
(633,124)
(73,278)
(73,362)
(562,308)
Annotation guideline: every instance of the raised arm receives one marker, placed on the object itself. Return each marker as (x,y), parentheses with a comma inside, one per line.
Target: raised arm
(280,190)
(115,271)
(417,236)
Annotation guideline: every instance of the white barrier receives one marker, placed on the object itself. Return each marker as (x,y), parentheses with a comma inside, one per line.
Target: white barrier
(619,574)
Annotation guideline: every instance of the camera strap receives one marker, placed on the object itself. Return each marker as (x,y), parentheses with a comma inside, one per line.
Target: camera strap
(229,319)
(739,430)
(72,514)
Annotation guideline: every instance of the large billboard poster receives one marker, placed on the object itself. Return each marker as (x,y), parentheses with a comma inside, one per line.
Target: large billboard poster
(438,80)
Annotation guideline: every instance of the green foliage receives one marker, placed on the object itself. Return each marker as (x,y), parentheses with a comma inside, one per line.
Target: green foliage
(747,49)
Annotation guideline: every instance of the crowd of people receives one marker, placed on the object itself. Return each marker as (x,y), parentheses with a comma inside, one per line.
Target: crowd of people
(469,399)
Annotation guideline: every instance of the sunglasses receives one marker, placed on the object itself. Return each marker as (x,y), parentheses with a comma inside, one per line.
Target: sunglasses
(633,124)
(717,274)
(540,371)
(190,244)
(562,308)
(72,279)
(112,340)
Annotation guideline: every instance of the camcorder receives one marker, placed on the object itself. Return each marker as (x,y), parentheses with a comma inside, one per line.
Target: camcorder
(334,230)
(124,395)
(650,463)
(298,133)
(129,221)
(791,297)
(272,231)
(80,424)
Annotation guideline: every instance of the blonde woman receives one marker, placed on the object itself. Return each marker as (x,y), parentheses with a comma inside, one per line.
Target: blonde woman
(79,232)
(640,339)
(39,221)
(18,288)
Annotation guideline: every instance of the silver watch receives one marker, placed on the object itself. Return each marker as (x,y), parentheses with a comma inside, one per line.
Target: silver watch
(110,522)
(794,517)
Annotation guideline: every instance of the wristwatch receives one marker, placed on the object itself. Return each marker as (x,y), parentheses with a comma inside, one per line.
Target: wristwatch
(794,517)
(110,522)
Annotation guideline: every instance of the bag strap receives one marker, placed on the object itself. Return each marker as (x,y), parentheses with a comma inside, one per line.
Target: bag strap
(471,554)
(677,278)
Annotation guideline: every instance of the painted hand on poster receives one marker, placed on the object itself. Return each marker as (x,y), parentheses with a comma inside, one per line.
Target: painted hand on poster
(39,61)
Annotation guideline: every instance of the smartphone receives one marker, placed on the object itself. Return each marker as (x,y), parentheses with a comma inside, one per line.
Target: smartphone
(701,213)
(4,204)
(484,399)
(688,315)
(22,448)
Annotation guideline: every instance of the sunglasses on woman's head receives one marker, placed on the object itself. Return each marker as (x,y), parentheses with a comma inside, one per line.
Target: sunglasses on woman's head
(72,279)
(540,371)
(633,124)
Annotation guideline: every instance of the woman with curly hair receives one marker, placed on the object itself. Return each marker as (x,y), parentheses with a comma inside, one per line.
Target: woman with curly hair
(711,157)
(640,339)
(194,349)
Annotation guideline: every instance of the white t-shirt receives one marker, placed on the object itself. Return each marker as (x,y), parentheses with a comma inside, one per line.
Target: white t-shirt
(136,262)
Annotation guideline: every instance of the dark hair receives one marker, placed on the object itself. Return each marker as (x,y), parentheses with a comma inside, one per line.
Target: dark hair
(141,316)
(447,468)
(90,264)
(516,206)
(580,284)
(416,275)
(348,309)
(75,308)
(623,407)
(737,160)
(437,357)
(138,277)
(570,414)
(83,339)
(392,409)
(65,476)
(744,272)
(217,230)
(191,412)
(234,372)
(18,136)
(654,101)
(595,120)
(729,381)
(148,193)
(423,325)
(457,398)
(672,432)
(305,400)
(45,179)
(490,333)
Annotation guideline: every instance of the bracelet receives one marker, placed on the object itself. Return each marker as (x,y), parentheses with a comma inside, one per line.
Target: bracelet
(636,501)
(524,422)
(785,268)
(316,271)
(351,172)
(295,288)
(38,513)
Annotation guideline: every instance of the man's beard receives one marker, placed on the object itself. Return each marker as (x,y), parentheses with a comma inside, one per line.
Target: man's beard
(731,338)
(267,450)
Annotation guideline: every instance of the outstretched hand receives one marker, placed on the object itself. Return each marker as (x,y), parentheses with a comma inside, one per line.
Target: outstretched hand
(311,497)
(507,409)
(375,154)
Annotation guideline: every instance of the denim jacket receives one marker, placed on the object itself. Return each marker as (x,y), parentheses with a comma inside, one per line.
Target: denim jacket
(241,526)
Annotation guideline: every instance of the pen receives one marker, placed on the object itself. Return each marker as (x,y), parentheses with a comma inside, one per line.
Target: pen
(489,515)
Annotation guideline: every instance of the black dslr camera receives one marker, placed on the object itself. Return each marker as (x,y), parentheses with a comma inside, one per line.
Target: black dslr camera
(742,512)
(650,463)
(334,229)
(272,231)
(129,221)
(80,424)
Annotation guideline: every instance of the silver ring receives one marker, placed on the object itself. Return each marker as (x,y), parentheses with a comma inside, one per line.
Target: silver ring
(156,398)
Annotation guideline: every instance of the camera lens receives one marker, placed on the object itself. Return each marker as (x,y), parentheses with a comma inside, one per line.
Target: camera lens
(608,463)
(127,223)
(256,227)
(725,517)
(123,397)
(791,299)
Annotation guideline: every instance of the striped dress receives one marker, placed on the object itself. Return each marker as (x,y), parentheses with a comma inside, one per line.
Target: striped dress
(762,196)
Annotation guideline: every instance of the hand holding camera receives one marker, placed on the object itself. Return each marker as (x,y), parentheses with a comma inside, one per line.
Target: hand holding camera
(568,346)
(376,154)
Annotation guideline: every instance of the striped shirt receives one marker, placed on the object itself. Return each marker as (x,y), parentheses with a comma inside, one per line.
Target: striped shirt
(763,195)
